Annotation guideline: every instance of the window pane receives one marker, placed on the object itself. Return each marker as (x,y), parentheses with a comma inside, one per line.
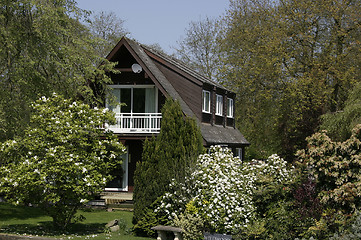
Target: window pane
(114,100)
(219,105)
(125,98)
(139,100)
(206,101)
(230,107)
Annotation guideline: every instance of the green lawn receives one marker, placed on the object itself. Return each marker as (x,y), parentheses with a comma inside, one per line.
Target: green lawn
(32,221)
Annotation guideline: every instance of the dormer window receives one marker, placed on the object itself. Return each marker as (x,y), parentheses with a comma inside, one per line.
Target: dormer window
(206,104)
(230,107)
(219,105)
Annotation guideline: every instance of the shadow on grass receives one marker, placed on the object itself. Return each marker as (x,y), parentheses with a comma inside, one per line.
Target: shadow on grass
(47,229)
(8,211)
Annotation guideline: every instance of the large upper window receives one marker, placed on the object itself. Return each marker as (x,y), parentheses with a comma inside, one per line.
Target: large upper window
(133,99)
(206,104)
(219,105)
(230,108)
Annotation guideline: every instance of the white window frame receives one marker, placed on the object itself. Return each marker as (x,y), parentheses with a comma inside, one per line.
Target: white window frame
(230,108)
(131,98)
(219,105)
(206,102)
(239,152)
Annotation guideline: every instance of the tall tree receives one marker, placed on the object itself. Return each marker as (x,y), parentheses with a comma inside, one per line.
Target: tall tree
(252,58)
(199,47)
(108,28)
(43,49)
(290,62)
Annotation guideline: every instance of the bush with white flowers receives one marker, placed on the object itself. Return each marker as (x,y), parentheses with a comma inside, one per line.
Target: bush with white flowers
(219,190)
(63,159)
(275,169)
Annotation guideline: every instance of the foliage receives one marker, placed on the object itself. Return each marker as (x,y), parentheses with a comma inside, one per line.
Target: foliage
(276,216)
(336,169)
(43,49)
(306,200)
(191,224)
(352,232)
(289,62)
(166,157)
(63,159)
(149,219)
(108,29)
(339,124)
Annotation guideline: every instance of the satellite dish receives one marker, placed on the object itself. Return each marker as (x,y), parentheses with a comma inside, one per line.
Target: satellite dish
(136,68)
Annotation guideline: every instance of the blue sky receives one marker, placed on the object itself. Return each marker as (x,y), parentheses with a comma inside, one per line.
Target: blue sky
(158,21)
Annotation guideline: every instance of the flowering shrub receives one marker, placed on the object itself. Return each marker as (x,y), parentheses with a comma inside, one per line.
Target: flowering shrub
(62,159)
(274,168)
(336,169)
(219,191)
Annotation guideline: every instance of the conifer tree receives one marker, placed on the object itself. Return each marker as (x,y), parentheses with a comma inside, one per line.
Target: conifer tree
(166,157)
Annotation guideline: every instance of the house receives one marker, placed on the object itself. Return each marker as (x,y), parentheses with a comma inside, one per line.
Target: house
(146,79)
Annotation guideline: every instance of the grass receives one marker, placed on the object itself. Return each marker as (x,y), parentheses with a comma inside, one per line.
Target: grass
(32,221)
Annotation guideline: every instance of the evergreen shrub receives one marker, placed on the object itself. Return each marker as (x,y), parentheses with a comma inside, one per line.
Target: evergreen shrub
(166,157)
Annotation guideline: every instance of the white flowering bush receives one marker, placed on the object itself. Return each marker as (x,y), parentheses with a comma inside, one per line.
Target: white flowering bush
(219,191)
(275,169)
(62,160)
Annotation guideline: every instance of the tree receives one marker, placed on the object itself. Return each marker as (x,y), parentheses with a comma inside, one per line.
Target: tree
(63,159)
(290,62)
(166,157)
(108,28)
(339,124)
(43,49)
(251,56)
(199,47)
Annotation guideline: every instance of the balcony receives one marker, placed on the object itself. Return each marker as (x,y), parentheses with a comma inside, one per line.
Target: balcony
(136,123)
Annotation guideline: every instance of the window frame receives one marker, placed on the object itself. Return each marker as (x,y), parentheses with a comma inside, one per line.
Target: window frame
(239,153)
(230,108)
(205,102)
(132,87)
(219,105)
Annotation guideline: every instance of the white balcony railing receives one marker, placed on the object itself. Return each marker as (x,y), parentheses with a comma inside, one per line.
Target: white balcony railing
(136,123)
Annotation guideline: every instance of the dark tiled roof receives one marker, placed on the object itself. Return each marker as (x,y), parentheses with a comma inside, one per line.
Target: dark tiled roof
(214,134)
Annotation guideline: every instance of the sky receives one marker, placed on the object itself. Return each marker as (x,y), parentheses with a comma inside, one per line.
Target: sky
(160,22)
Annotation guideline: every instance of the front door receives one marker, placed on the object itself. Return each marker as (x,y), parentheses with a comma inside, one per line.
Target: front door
(120,174)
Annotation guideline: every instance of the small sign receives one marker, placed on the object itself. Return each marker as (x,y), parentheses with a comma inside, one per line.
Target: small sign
(216,236)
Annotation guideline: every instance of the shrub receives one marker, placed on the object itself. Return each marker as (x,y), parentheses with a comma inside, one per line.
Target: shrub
(336,169)
(165,158)
(63,159)
(219,191)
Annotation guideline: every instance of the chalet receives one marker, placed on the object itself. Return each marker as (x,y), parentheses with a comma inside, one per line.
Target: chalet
(146,79)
